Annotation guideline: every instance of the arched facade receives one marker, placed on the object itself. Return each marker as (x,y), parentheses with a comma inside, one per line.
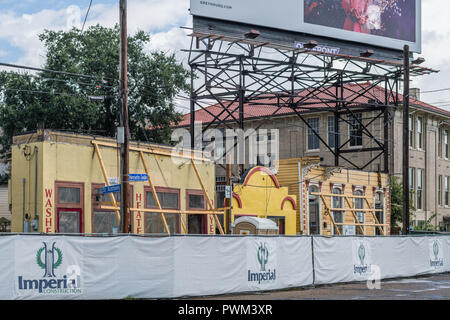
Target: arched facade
(260,195)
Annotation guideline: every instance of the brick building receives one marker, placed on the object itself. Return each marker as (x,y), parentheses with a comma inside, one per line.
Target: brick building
(429,145)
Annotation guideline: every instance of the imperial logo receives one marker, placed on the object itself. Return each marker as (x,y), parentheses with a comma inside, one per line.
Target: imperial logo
(263,275)
(437,261)
(49,258)
(362,268)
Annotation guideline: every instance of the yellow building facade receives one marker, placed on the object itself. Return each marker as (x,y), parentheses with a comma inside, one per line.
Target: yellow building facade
(58,178)
(335,201)
(260,195)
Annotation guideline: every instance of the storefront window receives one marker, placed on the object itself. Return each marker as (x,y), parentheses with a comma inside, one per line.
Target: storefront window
(69,207)
(68,195)
(104,221)
(196,201)
(379,205)
(169,199)
(338,216)
(359,204)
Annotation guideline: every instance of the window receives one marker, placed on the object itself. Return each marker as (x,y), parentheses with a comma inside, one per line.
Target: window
(411,184)
(68,195)
(419,189)
(358,204)
(411,131)
(331,132)
(379,205)
(338,216)
(419,132)
(313,140)
(196,201)
(440,190)
(440,143)
(103,221)
(314,210)
(69,207)
(446,143)
(169,199)
(447,181)
(356,130)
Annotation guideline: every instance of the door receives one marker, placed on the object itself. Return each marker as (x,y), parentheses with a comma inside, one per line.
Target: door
(69,221)
(197,224)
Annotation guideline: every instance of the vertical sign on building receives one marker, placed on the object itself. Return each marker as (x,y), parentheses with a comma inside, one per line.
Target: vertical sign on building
(48,225)
(211,224)
(138,219)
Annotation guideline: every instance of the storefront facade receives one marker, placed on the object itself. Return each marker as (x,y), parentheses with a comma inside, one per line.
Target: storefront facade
(334,201)
(59,177)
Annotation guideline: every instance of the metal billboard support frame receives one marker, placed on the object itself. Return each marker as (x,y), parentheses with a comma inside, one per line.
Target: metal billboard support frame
(236,72)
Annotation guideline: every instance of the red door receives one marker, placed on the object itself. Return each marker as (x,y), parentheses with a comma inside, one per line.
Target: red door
(69,220)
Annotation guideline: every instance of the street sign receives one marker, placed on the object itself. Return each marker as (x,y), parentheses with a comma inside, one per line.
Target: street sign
(111,189)
(138,177)
(228,192)
(113,180)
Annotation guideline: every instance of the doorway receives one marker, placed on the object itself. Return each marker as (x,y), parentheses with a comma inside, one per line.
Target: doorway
(314,211)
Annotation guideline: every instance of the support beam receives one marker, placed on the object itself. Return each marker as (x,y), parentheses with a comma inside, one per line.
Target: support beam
(208,200)
(155,194)
(105,176)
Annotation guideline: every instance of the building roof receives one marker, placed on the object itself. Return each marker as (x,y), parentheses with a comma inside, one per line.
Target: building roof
(264,107)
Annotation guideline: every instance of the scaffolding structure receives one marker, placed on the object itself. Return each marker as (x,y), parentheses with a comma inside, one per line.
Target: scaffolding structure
(233,71)
(190,157)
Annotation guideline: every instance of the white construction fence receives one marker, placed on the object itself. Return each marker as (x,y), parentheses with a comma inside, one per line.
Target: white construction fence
(87,267)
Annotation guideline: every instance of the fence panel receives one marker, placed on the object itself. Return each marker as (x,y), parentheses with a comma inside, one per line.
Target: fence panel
(349,259)
(70,267)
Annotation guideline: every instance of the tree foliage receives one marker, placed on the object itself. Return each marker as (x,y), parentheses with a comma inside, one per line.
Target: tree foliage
(397,202)
(62,102)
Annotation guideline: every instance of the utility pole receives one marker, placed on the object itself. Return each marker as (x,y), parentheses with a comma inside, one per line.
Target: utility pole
(228,201)
(406,142)
(125,147)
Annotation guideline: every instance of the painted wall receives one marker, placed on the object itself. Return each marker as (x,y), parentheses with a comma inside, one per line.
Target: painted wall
(65,158)
(261,195)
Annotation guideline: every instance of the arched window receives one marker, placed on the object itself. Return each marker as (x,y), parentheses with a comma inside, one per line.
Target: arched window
(359,204)
(338,216)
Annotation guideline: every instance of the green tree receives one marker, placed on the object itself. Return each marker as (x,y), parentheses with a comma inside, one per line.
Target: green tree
(397,202)
(61,101)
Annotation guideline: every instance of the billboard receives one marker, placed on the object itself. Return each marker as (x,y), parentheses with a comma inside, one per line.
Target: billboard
(384,23)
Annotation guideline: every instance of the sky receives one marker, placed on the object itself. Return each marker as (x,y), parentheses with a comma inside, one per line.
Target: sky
(22,21)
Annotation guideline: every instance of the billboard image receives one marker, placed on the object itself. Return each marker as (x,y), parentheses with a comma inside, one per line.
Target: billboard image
(389,24)
(386,18)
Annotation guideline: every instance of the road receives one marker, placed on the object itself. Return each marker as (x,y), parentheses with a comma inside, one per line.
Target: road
(436,287)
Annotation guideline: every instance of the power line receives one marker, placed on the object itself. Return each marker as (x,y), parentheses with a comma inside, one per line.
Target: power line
(87,14)
(47,92)
(438,90)
(102,80)
(10,65)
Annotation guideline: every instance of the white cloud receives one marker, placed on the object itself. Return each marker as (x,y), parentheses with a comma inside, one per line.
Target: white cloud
(435,48)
